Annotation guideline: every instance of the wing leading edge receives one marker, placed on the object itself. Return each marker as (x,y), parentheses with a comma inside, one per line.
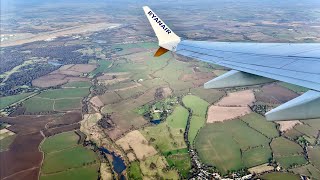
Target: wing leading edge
(255,63)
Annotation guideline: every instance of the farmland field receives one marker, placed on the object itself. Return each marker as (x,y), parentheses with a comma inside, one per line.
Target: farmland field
(196,123)
(220,145)
(82,173)
(260,124)
(64,93)
(155,165)
(209,95)
(218,149)
(102,67)
(65,159)
(67,104)
(181,161)
(179,117)
(77,85)
(5,142)
(307,130)
(37,104)
(68,158)
(170,139)
(197,105)
(314,154)
(279,176)
(134,170)
(59,142)
(295,88)
(290,161)
(287,153)
(8,100)
(256,156)
(284,147)
(199,109)
(56,100)
(307,170)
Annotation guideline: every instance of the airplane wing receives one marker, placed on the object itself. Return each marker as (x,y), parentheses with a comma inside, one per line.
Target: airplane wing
(254,63)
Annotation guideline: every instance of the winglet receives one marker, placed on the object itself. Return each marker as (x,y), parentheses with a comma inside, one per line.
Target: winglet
(166,37)
(160,52)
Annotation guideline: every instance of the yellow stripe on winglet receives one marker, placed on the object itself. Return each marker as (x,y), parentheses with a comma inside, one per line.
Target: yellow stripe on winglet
(160,52)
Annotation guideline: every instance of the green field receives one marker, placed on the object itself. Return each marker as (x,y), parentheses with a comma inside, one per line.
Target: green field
(110,97)
(56,100)
(280,176)
(314,156)
(290,161)
(218,149)
(245,136)
(171,130)
(67,104)
(284,147)
(134,171)
(307,170)
(65,159)
(196,123)
(158,168)
(181,161)
(171,74)
(260,124)
(8,100)
(210,95)
(64,93)
(178,118)
(164,137)
(5,142)
(198,108)
(287,153)
(132,92)
(196,104)
(294,88)
(77,85)
(82,173)
(307,130)
(59,142)
(293,134)
(315,123)
(220,145)
(37,104)
(102,67)
(256,156)
(68,158)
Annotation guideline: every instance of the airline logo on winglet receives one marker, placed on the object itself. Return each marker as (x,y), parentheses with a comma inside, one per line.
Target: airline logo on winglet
(161,24)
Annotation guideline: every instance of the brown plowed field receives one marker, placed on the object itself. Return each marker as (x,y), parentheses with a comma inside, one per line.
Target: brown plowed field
(27,174)
(53,131)
(275,94)
(23,154)
(23,159)
(66,73)
(198,78)
(67,119)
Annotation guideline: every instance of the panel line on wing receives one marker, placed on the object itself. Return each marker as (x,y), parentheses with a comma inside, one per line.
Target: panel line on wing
(267,55)
(292,60)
